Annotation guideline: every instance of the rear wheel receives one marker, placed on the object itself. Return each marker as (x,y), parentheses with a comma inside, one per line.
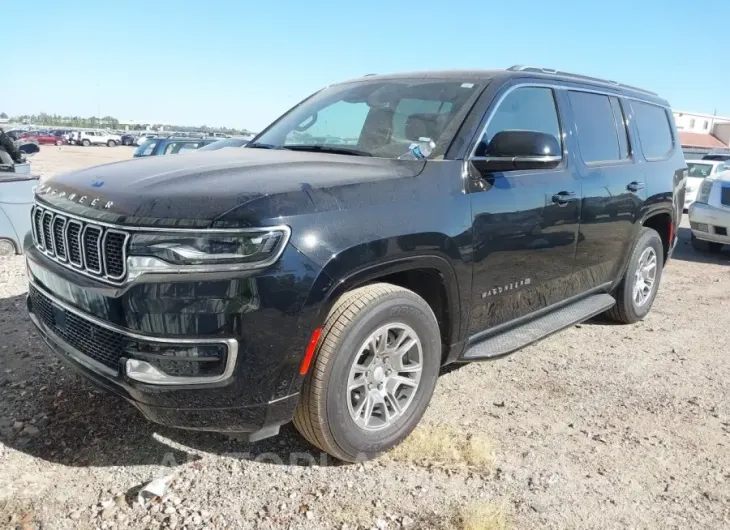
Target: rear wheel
(59,143)
(85,143)
(705,246)
(373,375)
(636,292)
(7,248)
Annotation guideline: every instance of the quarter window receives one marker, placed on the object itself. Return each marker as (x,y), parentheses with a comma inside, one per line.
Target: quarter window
(599,138)
(655,132)
(526,109)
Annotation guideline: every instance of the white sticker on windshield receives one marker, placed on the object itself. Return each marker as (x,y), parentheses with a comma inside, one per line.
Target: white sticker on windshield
(467,85)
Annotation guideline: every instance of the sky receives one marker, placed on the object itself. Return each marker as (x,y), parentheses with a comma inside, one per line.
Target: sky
(243,63)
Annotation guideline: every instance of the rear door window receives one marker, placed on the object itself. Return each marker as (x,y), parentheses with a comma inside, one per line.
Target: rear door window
(620,118)
(174,148)
(596,127)
(655,131)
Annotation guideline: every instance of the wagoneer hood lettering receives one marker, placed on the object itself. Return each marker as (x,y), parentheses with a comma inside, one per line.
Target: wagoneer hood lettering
(207,185)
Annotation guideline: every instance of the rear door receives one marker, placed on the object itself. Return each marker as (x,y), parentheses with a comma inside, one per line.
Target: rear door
(613,185)
(525,222)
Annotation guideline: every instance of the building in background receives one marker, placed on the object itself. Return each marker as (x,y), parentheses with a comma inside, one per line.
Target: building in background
(700,134)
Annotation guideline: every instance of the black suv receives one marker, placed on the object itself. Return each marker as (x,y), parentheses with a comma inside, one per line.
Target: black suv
(380,229)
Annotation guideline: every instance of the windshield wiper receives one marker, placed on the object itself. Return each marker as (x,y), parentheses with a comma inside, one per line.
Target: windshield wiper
(327,149)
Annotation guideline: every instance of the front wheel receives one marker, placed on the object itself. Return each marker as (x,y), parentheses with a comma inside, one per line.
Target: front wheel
(85,143)
(374,372)
(59,143)
(636,292)
(111,143)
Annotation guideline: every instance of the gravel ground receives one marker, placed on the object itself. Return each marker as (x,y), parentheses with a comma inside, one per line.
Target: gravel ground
(600,426)
(52,160)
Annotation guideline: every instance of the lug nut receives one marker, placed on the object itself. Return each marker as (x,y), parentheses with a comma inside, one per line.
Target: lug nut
(380,386)
(370,386)
(388,372)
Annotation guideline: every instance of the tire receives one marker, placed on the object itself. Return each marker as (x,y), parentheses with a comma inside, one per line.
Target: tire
(85,143)
(325,413)
(7,248)
(628,309)
(705,246)
(111,143)
(59,143)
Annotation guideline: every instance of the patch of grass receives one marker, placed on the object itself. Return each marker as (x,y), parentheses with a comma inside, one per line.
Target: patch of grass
(483,516)
(441,444)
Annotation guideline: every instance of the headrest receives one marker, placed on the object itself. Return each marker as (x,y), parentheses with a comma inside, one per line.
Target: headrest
(424,126)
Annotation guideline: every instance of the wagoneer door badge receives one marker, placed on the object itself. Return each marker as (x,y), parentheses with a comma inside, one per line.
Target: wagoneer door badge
(508,287)
(74,197)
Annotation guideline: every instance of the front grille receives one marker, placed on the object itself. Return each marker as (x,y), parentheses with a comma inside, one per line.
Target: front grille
(725,195)
(94,341)
(81,245)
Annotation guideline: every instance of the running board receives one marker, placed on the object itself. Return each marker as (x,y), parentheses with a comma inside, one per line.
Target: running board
(534,330)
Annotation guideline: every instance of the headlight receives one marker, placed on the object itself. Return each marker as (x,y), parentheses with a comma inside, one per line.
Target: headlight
(705,188)
(193,251)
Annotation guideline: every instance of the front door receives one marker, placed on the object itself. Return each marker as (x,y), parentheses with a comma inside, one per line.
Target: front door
(525,222)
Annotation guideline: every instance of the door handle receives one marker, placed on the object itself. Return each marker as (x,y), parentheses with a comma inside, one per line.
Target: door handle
(562,198)
(635,186)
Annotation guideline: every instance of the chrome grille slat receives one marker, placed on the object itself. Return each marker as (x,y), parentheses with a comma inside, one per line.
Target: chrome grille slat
(73,242)
(46,223)
(59,241)
(91,248)
(87,247)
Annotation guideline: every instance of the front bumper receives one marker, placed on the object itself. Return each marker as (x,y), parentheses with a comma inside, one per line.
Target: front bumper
(710,223)
(266,315)
(257,421)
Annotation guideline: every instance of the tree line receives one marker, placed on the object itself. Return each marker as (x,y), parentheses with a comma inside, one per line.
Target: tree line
(109,122)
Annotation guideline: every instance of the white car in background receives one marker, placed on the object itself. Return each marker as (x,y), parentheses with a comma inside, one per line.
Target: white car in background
(699,170)
(709,214)
(87,138)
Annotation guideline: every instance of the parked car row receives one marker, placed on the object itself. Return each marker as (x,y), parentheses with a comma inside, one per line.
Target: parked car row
(707,198)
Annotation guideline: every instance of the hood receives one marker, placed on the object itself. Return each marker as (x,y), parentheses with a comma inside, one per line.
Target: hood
(194,189)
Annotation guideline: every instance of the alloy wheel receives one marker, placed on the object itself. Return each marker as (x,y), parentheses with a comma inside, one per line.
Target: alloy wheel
(384,376)
(645,277)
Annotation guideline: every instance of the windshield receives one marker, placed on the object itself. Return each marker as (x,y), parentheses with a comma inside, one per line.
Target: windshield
(699,170)
(374,118)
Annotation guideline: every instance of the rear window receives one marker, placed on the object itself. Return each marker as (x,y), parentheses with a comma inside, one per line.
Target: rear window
(655,132)
(699,170)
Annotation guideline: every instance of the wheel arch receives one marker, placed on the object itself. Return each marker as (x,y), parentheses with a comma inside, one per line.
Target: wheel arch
(662,221)
(430,276)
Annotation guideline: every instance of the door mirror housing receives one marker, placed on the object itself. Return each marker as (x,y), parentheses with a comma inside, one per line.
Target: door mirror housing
(512,150)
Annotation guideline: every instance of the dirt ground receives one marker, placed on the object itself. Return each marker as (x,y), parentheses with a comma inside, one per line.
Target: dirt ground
(600,426)
(52,160)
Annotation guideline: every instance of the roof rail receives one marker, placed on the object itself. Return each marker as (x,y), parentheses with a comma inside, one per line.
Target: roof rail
(540,70)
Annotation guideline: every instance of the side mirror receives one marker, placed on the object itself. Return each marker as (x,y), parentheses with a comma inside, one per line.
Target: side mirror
(511,150)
